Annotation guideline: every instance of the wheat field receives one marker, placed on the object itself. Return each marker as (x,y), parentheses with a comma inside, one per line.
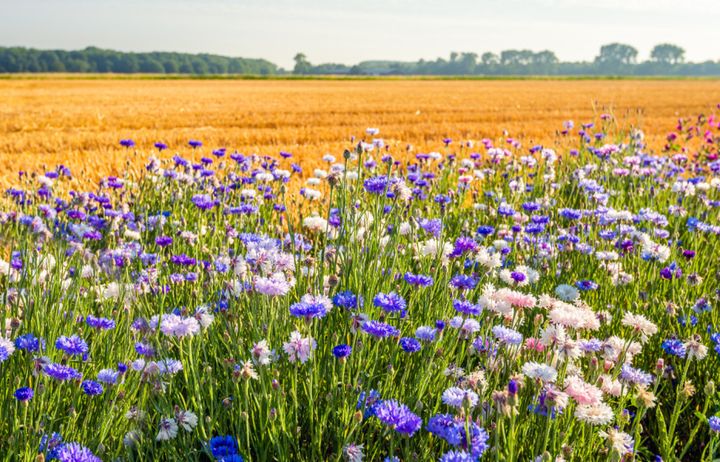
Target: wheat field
(79,122)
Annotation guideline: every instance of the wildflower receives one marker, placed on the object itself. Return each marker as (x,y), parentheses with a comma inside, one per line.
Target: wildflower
(299,348)
(714,423)
(24,394)
(566,292)
(186,419)
(582,392)
(61,372)
(379,329)
(108,376)
(91,388)
(72,345)
(457,397)
(507,336)
(168,429)
(539,371)
(353,452)
(27,342)
(629,374)
(391,302)
(311,306)
(640,324)
(594,414)
(74,452)
(410,345)
(348,300)
(245,370)
(398,416)
(342,351)
(222,446)
(426,333)
(6,349)
(261,353)
(619,442)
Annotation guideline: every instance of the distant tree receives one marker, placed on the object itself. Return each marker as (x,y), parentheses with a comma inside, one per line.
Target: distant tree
(302,65)
(617,53)
(545,57)
(667,53)
(489,59)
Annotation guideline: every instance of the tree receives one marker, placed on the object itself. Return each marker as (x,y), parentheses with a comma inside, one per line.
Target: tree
(302,65)
(489,59)
(667,53)
(617,53)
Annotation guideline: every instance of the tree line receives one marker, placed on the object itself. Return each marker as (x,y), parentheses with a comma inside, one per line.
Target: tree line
(98,60)
(612,59)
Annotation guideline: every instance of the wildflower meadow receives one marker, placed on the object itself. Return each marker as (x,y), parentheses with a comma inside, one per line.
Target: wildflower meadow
(484,301)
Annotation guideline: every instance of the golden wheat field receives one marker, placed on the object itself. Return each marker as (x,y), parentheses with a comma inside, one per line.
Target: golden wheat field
(79,122)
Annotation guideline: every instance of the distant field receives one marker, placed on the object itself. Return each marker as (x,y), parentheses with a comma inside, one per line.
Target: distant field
(78,122)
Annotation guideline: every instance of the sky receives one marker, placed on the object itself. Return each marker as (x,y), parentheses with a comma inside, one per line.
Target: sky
(349,31)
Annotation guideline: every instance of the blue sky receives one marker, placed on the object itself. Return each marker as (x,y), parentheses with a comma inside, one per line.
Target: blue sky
(349,31)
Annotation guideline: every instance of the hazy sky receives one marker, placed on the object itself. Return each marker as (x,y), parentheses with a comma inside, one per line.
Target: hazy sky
(349,31)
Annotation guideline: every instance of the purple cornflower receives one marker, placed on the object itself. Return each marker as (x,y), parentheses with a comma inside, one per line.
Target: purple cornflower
(467,307)
(99,323)
(714,423)
(632,375)
(418,279)
(463,282)
(379,329)
(74,452)
(463,245)
(127,143)
(398,416)
(61,372)
(376,184)
(426,333)
(160,146)
(433,226)
(507,336)
(163,241)
(195,144)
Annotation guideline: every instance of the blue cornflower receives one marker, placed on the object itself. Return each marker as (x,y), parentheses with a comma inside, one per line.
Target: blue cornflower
(28,342)
(222,446)
(674,347)
(586,284)
(410,345)
(714,423)
(485,230)
(342,351)
(72,345)
(308,309)
(390,302)
(348,300)
(24,394)
(91,388)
